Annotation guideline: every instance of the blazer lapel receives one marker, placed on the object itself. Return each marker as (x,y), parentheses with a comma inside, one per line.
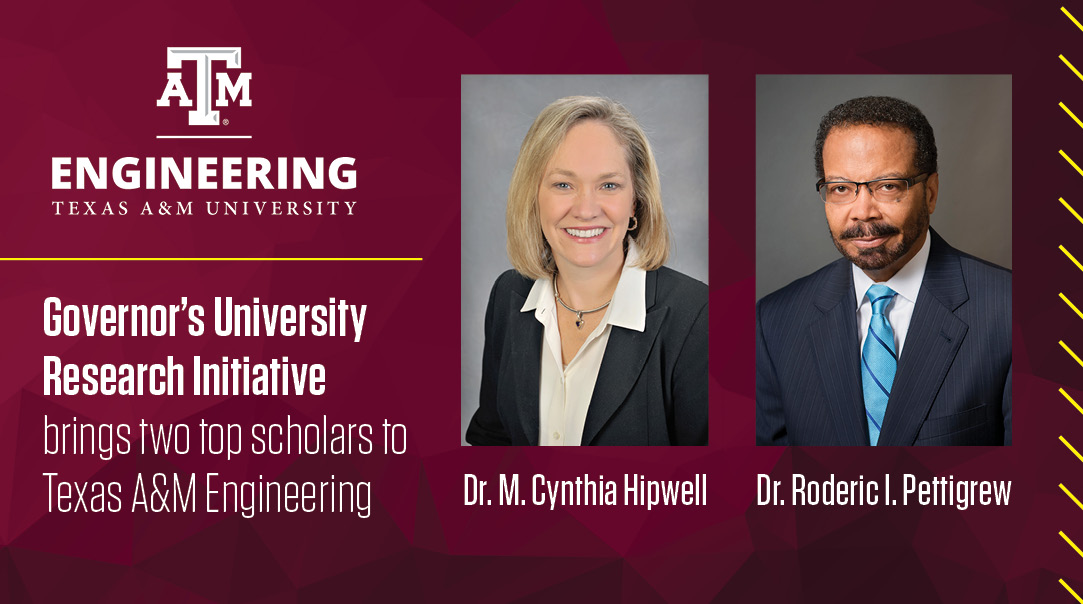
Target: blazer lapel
(625,356)
(932,341)
(526,346)
(834,343)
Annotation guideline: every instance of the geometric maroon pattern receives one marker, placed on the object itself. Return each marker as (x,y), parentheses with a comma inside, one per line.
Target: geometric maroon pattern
(380,82)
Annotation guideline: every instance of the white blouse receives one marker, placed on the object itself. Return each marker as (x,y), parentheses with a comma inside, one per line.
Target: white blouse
(565,391)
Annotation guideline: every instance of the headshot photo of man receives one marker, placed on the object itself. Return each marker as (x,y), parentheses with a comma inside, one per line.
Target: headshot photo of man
(903,339)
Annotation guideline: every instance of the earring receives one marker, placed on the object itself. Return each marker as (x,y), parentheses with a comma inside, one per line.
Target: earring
(633,223)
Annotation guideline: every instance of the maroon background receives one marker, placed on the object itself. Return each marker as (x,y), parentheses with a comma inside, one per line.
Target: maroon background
(381,83)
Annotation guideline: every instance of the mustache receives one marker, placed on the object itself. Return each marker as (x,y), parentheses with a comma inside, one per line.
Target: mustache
(872,229)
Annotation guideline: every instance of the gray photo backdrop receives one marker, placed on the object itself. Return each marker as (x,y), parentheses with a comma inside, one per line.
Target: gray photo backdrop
(497,111)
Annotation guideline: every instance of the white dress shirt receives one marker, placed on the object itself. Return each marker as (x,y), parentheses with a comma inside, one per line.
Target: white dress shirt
(906,283)
(565,390)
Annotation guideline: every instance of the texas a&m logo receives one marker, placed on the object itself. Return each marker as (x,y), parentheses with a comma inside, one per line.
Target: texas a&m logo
(227,88)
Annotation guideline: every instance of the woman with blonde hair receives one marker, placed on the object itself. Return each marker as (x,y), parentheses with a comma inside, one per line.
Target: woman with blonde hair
(590,339)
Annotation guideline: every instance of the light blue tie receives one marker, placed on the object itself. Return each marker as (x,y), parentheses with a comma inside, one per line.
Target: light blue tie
(878,360)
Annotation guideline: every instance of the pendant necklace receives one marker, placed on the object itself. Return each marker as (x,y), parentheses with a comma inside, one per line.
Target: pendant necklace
(578,313)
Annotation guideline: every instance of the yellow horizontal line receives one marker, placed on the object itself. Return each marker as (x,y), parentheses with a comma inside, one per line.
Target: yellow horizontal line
(1067,253)
(1074,546)
(1069,493)
(1072,67)
(1070,209)
(1065,11)
(204,259)
(1071,591)
(1071,400)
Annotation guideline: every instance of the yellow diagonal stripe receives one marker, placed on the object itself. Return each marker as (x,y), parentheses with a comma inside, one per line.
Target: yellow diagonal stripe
(1069,15)
(1069,493)
(1071,591)
(1069,350)
(1069,160)
(1069,445)
(1070,209)
(1067,253)
(1072,67)
(1074,546)
(1071,400)
(1069,112)
(1069,303)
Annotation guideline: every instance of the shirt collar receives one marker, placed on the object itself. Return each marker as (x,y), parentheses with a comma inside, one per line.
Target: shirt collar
(628,307)
(906,282)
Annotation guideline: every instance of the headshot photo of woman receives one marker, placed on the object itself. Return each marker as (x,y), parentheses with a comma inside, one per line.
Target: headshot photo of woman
(590,339)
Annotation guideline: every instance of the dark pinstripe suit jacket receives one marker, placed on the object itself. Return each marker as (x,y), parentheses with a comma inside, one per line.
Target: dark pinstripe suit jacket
(954,382)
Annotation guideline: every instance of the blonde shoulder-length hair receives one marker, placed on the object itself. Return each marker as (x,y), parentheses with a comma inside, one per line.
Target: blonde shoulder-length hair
(528,250)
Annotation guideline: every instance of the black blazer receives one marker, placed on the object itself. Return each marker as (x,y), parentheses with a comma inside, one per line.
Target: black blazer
(954,381)
(651,388)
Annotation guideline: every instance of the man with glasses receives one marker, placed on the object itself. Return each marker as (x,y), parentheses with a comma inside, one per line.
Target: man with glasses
(903,341)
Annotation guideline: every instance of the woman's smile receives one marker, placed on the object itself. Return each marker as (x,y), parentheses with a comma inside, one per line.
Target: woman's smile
(585,234)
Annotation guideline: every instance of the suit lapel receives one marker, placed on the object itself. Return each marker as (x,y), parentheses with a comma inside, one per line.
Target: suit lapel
(625,355)
(834,343)
(932,341)
(526,347)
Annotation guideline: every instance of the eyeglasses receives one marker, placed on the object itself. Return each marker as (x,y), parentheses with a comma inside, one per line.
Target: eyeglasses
(884,190)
